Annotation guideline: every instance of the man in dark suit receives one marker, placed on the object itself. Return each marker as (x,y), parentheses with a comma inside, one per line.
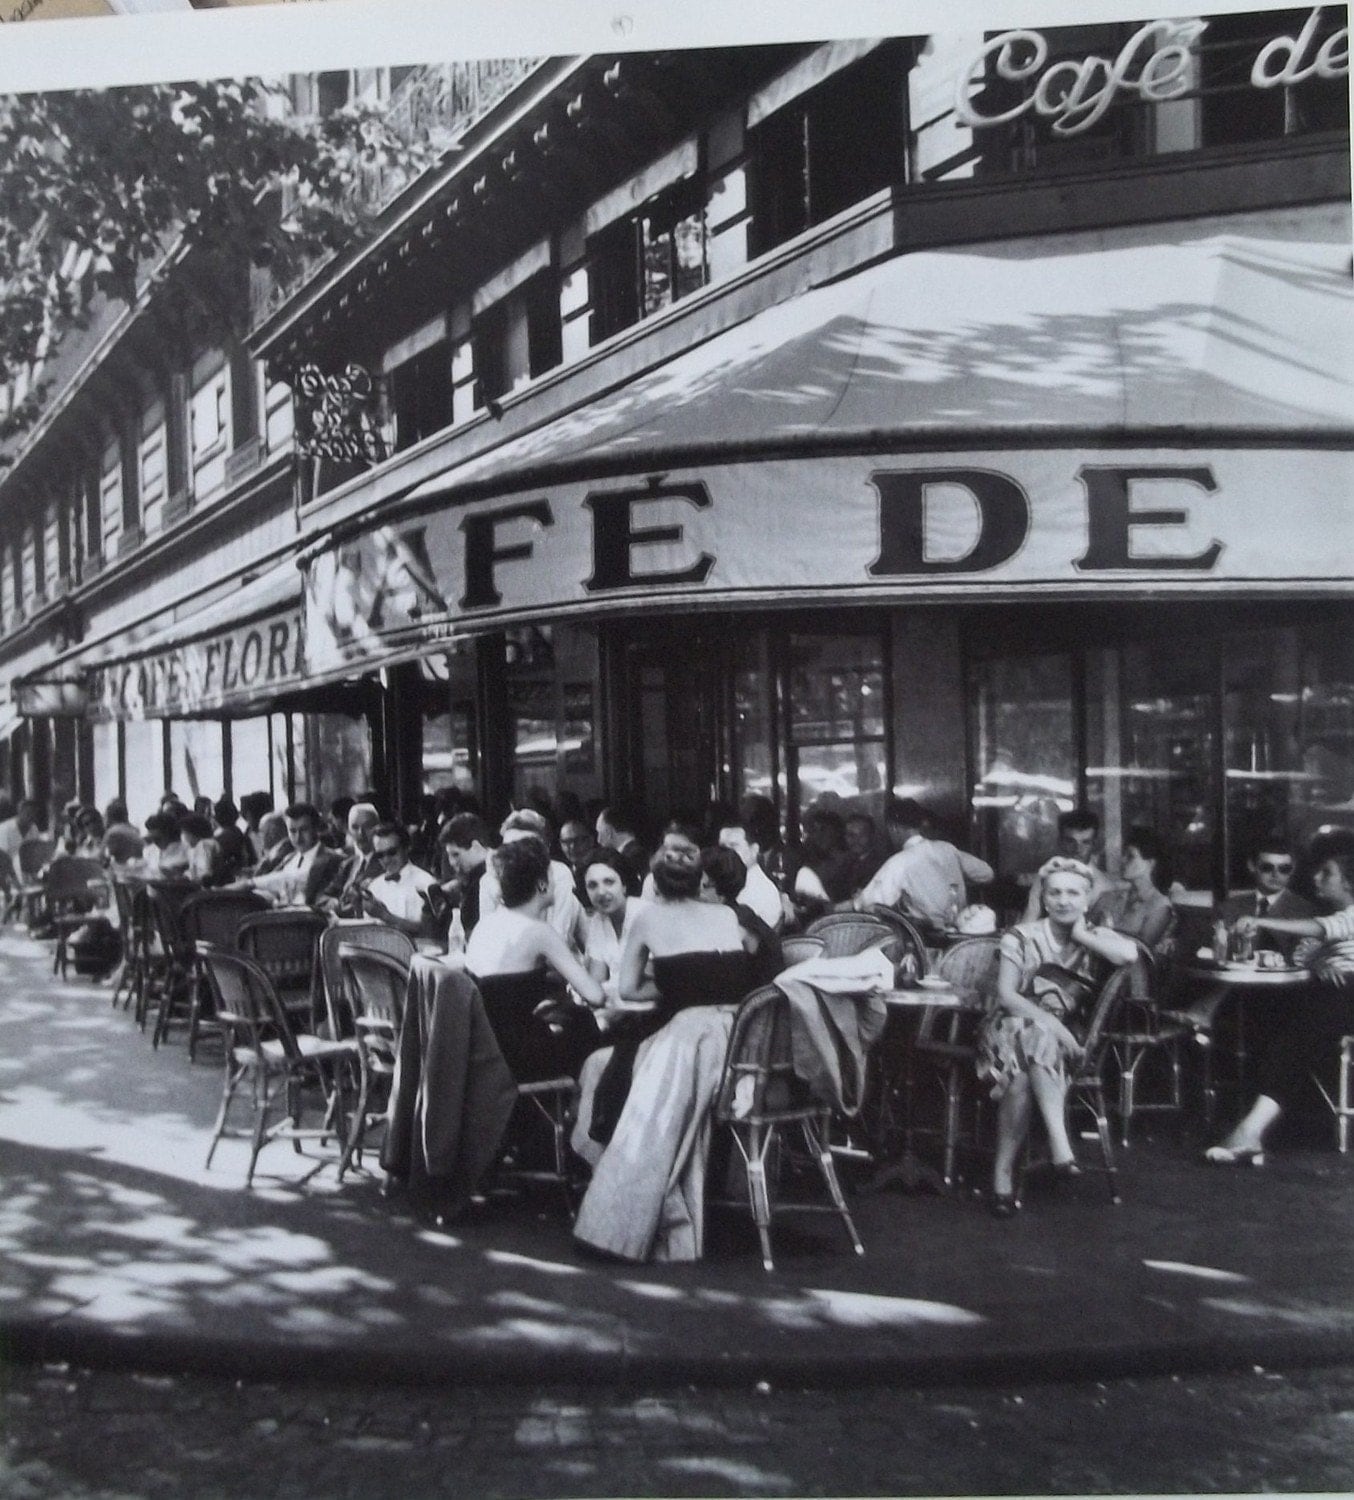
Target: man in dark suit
(1271,865)
(359,866)
(303,875)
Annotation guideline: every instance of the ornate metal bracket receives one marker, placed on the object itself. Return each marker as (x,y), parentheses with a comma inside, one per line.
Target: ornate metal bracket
(337,415)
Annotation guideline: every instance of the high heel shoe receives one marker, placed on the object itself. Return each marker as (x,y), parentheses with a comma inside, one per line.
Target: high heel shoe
(1003,1205)
(1235,1156)
(1062,1170)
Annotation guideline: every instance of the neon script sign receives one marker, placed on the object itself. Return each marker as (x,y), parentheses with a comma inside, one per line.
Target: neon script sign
(1157,63)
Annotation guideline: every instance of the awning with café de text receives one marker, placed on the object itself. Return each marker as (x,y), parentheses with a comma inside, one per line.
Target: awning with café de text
(1096,413)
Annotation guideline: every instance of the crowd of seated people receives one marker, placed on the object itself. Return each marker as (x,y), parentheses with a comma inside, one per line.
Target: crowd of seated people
(633,928)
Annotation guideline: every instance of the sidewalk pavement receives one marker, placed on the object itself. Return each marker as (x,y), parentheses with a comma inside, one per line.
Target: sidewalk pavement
(118,1248)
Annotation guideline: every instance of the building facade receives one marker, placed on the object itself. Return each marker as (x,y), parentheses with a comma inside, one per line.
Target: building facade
(966,415)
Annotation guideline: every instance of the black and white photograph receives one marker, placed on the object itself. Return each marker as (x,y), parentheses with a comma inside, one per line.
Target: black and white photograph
(676,751)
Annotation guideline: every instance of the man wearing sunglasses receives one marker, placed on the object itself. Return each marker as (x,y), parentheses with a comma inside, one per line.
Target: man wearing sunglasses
(395,897)
(1271,865)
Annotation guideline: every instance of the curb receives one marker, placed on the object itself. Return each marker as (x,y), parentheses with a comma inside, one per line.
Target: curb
(35,1341)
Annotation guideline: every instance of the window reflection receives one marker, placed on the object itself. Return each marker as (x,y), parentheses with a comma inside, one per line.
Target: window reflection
(837,718)
(1025,754)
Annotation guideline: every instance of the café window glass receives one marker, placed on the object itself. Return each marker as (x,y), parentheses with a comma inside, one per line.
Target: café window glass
(250,769)
(1024,753)
(1150,744)
(753,740)
(552,674)
(338,757)
(1288,712)
(447,691)
(106,767)
(144,759)
(837,720)
(196,762)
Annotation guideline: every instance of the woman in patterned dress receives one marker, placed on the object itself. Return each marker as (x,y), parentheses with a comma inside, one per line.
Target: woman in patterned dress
(1047,969)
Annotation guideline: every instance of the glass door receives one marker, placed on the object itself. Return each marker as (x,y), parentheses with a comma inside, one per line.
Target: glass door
(676,722)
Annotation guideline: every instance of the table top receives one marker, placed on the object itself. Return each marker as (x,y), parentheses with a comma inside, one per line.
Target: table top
(1244,974)
(922,996)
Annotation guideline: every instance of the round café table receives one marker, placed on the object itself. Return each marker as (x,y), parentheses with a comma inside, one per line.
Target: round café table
(903,1167)
(1228,985)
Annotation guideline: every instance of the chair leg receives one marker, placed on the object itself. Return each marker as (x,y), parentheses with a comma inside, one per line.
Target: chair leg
(816,1135)
(951,1145)
(1342,1118)
(1128,1074)
(1096,1099)
(262,1104)
(352,1146)
(232,1081)
(759,1140)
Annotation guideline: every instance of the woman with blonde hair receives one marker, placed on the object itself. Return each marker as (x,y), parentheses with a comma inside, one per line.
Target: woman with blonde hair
(1048,970)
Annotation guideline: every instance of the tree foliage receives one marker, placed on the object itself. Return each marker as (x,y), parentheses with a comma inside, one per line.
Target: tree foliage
(121,172)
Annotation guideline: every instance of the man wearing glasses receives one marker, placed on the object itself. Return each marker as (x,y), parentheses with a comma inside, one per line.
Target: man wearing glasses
(1272,866)
(395,897)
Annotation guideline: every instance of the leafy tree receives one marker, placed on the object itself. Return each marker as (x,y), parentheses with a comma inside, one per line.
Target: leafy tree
(122,172)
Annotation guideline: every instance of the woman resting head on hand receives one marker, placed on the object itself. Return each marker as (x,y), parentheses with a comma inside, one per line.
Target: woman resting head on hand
(1048,971)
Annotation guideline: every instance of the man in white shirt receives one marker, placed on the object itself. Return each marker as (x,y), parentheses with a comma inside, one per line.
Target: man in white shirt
(760,894)
(395,897)
(14,831)
(565,913)
(927,877)
(303,875)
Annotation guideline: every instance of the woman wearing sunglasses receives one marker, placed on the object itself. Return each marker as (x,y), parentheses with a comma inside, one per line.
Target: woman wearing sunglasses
(1305,1041)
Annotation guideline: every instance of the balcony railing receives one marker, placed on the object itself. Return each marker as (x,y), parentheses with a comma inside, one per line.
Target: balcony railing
(436,105)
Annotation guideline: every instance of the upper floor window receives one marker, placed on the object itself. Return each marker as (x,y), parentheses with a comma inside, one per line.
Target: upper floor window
(517,338)
(419,395)
(831,147)
(649,259)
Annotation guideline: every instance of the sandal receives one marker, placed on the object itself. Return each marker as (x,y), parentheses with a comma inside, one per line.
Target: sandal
(1235,1156)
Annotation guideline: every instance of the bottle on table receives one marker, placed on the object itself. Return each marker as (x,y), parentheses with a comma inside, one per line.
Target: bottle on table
(1220,940)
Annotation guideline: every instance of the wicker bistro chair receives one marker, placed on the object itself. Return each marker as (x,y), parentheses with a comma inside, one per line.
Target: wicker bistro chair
(946,1038)
(799,947)
(1144,1029)
(28,901)
(541,1059)
(1086,1088)
(70,884)
(281,1066)
(284,945)
(170,964)
(374,986)
(133,912)
(369,937)
(212,917)
(758,1095)
(1341,1102)
(846,932)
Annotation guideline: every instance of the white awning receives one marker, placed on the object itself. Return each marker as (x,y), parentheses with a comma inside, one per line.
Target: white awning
(1098,413)
(1102,333)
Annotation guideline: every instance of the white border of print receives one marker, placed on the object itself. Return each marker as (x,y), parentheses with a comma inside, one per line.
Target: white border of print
(287,37)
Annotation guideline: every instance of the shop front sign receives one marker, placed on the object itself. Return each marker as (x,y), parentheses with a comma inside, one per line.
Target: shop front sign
(891,527)
(240,666)
(1157,63)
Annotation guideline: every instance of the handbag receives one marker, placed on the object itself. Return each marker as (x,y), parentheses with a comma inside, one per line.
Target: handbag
(1060,989)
